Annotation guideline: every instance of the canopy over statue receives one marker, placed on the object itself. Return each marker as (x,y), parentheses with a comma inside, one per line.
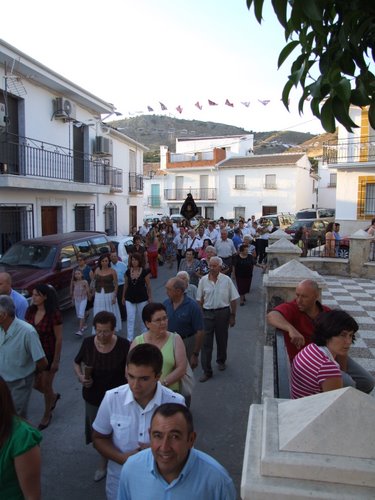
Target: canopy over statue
(189,208)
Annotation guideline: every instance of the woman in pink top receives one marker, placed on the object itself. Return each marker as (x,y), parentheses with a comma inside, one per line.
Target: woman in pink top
(316,369)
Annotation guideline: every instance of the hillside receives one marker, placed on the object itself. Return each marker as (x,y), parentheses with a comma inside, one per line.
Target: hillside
(155,130)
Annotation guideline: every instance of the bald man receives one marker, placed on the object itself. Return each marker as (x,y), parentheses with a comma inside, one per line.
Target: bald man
(19,300)
(296,319)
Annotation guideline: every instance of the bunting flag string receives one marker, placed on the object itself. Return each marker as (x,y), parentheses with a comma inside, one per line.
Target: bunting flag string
(180,108)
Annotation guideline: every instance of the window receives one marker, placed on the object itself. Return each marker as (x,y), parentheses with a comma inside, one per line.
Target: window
(269,209)
(239,212)
(332,180)
(239,182)
(366,197)
(84,217)
(270,181)
(132,161)
(16,223)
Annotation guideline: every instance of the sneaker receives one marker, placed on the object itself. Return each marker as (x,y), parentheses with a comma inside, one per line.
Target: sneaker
(79,333)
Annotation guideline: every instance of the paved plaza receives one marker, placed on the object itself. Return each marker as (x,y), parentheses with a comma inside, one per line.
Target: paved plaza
(356,296)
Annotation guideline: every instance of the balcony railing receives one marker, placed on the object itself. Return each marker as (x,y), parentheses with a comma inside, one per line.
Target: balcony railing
(33,158)
(240,186)
(135,183)
(185,157)
(331,185)
(357,149)
(154,201)
(270,185)
(197,193)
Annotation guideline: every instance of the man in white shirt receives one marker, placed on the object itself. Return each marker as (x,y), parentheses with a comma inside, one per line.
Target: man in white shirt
(193,241)
(124,416)
(225,249)
(211,232)
(143,231)
(218,297)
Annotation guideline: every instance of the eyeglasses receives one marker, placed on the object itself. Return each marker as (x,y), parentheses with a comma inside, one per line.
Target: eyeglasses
(160,320)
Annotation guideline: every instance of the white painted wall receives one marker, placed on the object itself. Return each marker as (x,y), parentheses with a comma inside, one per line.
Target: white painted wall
(294,190)
(38,125)
(236,145)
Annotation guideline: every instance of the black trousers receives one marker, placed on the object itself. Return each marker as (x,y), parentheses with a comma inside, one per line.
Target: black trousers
(216,324)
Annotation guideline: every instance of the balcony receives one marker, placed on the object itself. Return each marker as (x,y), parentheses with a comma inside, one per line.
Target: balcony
(270,185)
(154,201)
(331,185)
(240,186)
(355,150)
(34,160)
(201,194)
(135,183)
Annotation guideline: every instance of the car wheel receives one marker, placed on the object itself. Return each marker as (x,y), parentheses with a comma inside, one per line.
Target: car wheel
(343,253)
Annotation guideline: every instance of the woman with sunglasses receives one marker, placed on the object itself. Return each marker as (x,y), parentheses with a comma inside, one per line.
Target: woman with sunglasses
(155,318)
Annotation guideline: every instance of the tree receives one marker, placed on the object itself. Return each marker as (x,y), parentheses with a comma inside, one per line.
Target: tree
(336,38)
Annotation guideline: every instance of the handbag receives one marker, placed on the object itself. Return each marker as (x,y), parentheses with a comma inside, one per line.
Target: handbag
(187,381)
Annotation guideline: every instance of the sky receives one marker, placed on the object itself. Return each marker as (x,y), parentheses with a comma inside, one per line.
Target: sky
(138,53)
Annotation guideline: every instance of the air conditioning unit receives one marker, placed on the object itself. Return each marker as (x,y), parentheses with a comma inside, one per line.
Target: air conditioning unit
(2,115)
(102,146)
(64,109)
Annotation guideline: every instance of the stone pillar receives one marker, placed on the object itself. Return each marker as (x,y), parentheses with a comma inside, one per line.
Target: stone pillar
(359,252)
(316,447)
(281,252)
(280,284)
(277,235)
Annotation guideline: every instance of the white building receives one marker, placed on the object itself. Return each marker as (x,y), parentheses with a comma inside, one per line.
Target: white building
(226,179)
(353,157)
(326,186)
(61,167)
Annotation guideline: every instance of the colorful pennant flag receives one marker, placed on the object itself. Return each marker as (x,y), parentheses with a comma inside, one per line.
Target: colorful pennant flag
(179,109)
(264,102)
(150,109)
(163,106)
(229,103)
(246,103)
(198,105)
(212,103)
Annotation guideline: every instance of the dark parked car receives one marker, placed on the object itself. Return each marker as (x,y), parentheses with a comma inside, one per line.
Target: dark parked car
(316,229)
(51,260)
(317,213)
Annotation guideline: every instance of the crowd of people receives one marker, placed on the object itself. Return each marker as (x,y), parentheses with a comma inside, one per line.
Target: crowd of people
(137,390)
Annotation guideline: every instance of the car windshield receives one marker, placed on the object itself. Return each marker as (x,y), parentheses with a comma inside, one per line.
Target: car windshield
(29,255)
(306,214)
(296,225)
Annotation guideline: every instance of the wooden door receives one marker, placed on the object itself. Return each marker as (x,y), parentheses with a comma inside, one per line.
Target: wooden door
(49,220)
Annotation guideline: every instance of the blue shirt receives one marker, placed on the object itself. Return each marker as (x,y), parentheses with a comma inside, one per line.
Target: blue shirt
(187,319)
(202,478)
(20,303)
(120,269)
(237,241)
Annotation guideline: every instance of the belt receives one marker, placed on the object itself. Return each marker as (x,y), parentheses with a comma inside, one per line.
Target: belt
(218,309)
